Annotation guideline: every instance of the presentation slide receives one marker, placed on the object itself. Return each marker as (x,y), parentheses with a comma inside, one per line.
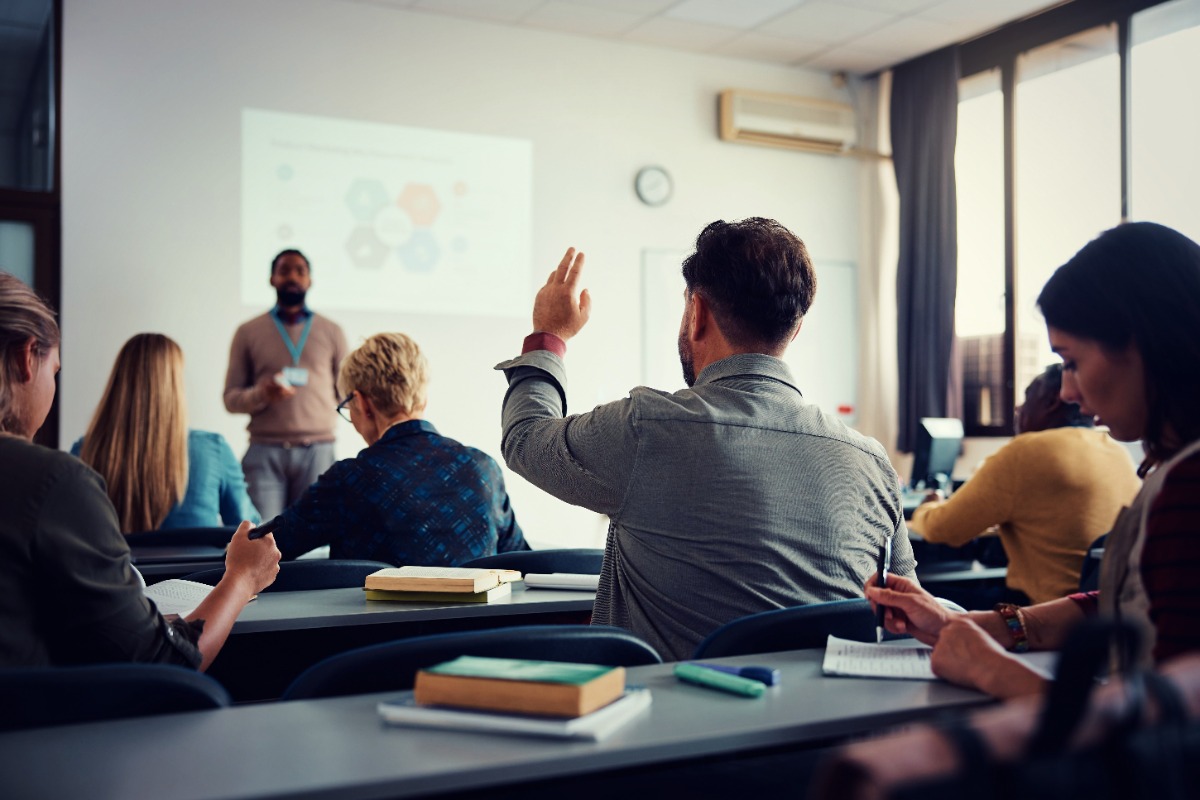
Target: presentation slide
(392,218)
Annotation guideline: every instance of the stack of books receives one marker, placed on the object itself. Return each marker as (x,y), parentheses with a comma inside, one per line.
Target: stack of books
(547,698)
(440,584)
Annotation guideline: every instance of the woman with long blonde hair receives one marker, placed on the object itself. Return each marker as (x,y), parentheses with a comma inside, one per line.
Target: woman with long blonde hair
(159,474)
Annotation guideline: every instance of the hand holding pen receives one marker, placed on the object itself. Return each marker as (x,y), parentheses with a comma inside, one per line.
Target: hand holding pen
(270,526)
(909,608)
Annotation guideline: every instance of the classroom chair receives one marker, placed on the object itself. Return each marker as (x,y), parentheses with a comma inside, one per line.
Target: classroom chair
(218,536)
(393,666)
(796,628)
(298,576)
(34,697)
(584,561)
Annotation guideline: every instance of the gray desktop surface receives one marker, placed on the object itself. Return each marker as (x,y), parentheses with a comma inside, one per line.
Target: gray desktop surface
(340,748)
(335,608)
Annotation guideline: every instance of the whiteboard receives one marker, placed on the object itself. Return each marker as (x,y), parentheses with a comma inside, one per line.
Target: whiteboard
(823,359)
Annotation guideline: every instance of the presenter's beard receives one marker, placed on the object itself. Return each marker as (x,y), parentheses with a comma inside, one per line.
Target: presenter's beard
(289,298)
(686,359)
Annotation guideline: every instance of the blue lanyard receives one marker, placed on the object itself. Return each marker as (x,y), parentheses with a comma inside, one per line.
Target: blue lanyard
(297,348)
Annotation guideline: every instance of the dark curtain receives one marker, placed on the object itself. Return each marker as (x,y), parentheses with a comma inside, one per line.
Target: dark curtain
(924,112)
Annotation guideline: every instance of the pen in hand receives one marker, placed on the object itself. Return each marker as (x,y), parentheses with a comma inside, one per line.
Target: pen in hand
(884,563)
(267,527)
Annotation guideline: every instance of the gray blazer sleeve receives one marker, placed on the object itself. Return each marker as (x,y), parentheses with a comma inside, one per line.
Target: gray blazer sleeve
(584,459)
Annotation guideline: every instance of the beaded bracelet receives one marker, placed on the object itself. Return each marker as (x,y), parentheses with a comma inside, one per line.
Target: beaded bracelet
(1011,615)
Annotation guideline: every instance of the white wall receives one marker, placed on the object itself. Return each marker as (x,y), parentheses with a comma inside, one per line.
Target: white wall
(152,97)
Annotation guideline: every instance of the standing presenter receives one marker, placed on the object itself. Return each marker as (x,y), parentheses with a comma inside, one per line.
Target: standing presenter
(283,369)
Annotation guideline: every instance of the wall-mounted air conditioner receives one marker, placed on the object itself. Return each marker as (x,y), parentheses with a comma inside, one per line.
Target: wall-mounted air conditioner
(781,120)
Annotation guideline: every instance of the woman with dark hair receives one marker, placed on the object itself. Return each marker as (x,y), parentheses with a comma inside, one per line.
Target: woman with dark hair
(68,594)
(1124,315)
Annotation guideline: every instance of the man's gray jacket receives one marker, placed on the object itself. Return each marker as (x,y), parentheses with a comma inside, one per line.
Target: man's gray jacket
(729,498)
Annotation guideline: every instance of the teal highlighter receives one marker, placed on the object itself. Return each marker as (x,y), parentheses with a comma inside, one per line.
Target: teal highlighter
(721,681)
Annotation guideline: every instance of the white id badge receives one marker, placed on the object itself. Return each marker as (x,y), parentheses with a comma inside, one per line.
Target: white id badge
(295,376)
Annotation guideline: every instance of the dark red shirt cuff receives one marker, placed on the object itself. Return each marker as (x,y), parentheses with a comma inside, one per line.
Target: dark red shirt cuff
(1088,602)
(541,340)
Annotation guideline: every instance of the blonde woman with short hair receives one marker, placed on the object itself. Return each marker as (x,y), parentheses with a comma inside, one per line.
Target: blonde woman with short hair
(158,473)
(70,595)
(413,496)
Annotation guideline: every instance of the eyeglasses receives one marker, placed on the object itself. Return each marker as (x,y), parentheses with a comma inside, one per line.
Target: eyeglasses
(343,408)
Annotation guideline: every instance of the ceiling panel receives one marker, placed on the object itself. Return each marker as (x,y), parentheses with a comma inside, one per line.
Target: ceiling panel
(835,35)
(743,14)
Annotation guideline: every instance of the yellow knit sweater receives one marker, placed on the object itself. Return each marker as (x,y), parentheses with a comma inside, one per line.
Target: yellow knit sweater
(1052,493)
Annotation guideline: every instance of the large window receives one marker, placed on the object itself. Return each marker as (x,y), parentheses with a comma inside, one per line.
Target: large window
(1043,166)
(1165,122)
(1068,173)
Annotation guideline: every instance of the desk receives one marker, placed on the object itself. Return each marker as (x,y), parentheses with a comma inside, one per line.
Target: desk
(339,748)
(279,635)
(159,562)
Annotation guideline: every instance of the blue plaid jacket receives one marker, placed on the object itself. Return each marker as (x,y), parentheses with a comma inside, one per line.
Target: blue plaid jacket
(414,497)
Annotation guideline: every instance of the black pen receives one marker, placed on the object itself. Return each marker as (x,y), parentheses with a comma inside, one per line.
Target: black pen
(267,527)
(884,563)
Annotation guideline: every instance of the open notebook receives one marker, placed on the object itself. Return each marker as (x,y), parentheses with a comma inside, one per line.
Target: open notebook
(867,660)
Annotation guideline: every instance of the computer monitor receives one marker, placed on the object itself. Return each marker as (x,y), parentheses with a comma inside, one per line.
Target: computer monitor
(939,441)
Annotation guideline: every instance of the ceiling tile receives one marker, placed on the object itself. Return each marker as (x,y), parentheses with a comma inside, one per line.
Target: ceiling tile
(680,33)
(893,6)
(907,36)
(847,59)
(826,21)
(972,17)
(494,10)
(756,47)
(744,14)
(584,19)
(643,8)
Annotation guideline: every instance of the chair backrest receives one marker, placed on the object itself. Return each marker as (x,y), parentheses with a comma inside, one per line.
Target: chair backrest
(796,628)
(33,697)
(298,576)
(214,537)
(393,666)
(584,561)
(1089,572)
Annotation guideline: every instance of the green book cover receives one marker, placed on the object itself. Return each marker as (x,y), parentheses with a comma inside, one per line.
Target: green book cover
(513,669)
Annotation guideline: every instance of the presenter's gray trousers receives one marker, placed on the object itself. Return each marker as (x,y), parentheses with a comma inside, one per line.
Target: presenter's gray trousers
(278,474)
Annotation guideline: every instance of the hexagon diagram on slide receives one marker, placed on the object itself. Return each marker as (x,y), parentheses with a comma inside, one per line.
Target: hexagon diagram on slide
(421,252)
(365,197)
(365,248)
(421,203)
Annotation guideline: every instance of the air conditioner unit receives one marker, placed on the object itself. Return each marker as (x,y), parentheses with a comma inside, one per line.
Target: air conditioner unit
(781,120)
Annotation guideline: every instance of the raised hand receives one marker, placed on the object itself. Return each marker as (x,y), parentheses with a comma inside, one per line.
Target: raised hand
(559,307)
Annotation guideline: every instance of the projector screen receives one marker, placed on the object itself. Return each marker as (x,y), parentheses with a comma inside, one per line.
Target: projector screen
(392,218)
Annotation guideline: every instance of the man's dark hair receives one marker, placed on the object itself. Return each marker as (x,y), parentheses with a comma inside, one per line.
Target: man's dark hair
(757,277)
(290,252)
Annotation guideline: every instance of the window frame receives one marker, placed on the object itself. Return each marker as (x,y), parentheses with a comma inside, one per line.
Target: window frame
(999,50)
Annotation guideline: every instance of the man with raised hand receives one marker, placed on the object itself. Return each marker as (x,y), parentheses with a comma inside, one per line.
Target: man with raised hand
(727,498)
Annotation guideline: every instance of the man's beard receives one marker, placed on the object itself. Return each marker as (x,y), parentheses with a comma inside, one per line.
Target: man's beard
(289,298)
(686,359)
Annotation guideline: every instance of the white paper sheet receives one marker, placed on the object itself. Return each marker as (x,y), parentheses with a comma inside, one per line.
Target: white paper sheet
(865,660)
(177,596)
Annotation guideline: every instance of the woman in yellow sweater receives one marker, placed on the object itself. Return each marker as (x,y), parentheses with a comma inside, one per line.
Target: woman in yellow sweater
(1051,492)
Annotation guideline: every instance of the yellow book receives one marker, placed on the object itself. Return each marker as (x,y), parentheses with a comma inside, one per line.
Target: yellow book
(495,593)
(436,579)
